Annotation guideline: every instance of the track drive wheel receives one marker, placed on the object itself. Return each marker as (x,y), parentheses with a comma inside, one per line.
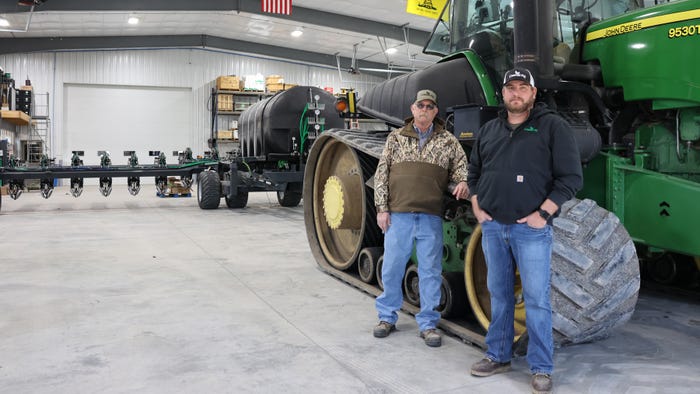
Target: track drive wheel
(337,202)
(478,292)
(208,190)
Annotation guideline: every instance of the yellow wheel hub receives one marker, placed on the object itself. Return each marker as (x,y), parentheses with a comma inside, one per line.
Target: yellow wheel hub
(341,208)
(333,202)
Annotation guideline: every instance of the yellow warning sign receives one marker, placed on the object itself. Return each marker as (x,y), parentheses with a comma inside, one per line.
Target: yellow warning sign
(428,8)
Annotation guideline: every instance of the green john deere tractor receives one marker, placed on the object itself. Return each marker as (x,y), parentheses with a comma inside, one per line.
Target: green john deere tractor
(624,74)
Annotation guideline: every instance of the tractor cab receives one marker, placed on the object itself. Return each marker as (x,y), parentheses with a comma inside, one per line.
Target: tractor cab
(486,28)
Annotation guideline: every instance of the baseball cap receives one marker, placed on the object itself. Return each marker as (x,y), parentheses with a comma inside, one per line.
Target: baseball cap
(519,74)
(425,94)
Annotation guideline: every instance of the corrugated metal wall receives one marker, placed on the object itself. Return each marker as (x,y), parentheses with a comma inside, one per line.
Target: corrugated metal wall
(195,69)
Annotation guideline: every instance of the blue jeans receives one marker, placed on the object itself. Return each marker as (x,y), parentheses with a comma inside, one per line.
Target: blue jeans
(405,229)
(506,245)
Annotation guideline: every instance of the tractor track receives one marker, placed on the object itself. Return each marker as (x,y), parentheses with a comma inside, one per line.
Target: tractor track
(370,145)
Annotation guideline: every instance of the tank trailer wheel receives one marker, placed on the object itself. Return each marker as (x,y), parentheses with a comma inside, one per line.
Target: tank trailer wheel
(208,190)
(289,197)
(239,201)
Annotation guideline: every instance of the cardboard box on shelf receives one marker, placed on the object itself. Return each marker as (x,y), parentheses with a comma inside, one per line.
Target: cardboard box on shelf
(270,79)
(224,134)
(228,82)
(4,190)
(277,87)
(224,102)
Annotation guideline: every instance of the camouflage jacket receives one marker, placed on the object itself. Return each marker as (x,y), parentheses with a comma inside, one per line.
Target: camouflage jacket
(402,145)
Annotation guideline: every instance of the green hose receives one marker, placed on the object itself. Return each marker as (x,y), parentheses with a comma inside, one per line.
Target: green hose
(303,129)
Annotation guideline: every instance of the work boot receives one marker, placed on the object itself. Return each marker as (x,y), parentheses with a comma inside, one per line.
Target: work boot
(488,367)
(541,383)
(383,329)
(431,337)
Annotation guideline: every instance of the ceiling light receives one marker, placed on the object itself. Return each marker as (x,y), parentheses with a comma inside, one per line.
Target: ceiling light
(391,51)
(297,33)
(4,22)
(133,20)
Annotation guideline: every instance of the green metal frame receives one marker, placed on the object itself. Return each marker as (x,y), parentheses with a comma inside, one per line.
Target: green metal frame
(657,209)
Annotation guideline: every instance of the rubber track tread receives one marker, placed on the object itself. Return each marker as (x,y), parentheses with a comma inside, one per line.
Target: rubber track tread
(595,273)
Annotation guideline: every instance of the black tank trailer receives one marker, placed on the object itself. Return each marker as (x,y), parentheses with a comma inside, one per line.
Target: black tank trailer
(275,136)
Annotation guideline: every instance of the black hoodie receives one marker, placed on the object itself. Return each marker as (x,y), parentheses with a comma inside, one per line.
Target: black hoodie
(513,171)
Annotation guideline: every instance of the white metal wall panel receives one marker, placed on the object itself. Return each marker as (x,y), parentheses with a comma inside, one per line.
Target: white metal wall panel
(119,118)
(194,69)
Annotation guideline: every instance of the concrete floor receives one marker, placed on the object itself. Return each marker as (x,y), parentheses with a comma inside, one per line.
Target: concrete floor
(153,295)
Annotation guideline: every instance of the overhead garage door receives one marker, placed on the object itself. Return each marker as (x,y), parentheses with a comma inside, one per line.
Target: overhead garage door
(124,118)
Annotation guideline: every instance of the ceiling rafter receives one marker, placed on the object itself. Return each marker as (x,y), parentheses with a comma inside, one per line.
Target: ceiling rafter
(299,14)
(37,44)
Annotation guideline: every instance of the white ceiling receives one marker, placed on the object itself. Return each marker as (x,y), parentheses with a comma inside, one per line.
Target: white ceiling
(256,28)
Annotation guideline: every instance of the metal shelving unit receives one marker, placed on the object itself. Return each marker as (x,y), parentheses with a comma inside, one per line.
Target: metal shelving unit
(223,119)
(41,122)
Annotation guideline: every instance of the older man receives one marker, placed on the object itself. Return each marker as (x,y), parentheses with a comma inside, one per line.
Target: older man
(417,164)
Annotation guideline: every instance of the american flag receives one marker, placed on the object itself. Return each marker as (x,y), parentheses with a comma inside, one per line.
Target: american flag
(277,6)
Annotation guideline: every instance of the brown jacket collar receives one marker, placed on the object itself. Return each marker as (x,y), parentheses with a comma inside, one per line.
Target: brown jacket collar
(409,131)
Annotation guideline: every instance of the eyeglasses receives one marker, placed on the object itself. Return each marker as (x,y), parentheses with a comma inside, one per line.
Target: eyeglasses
(428,106)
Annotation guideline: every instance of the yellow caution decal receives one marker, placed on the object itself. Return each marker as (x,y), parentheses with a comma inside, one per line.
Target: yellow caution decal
(429,8)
